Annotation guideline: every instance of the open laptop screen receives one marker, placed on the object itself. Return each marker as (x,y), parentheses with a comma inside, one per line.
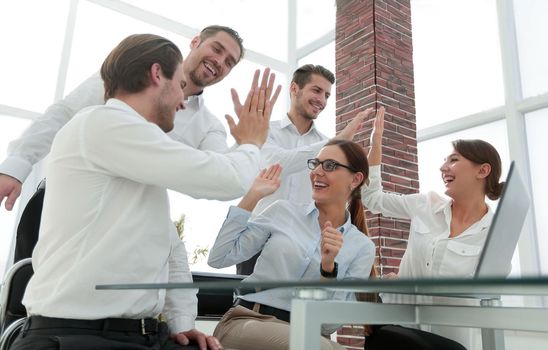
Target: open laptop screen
(504,232)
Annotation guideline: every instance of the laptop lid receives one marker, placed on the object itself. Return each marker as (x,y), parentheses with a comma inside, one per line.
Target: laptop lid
(505,229)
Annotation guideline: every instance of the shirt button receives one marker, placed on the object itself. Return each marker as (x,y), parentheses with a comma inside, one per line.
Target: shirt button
(427,264)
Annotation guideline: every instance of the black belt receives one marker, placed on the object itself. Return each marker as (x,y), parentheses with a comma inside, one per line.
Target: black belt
(264,309)
(143,326)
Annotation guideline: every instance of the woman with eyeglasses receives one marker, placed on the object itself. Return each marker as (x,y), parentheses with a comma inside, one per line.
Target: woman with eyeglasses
(447,233)
(323,240)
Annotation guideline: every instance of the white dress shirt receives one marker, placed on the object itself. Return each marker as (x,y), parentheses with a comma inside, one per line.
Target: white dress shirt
(195,126)
(289,236)
(286,146)
(106,216)
(430,252)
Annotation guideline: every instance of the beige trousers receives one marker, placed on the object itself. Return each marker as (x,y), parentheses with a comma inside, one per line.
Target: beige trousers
(244,329)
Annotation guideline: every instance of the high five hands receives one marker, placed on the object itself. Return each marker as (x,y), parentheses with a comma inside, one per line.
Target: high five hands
(254,114)
(266,183)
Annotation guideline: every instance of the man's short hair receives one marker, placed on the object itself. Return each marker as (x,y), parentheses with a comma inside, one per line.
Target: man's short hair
(210,31)
(127,66)
(302,75)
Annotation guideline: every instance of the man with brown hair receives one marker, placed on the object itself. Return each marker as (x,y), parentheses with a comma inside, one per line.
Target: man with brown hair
(213,54)
(106,210)
(294,139)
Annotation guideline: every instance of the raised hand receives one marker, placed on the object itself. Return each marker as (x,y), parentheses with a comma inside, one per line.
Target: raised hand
(266,183)
(354,126)
(378,127)
(10,189)
(375,149)
(267,84)
(330,246)
(254,114)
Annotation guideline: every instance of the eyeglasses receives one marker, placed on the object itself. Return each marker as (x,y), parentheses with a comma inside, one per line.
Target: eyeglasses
(327,165)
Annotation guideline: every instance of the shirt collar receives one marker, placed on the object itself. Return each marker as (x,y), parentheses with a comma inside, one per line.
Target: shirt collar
(483,223)
(487,219)
(311,209)
(196,99)
(286,122)
(114,102)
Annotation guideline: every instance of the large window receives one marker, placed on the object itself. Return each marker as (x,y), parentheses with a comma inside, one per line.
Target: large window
(479,72)
(50,55)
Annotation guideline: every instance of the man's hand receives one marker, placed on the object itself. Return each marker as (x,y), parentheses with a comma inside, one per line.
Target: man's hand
(254,114)
(331,243)
(10,188)
(205,342)
(354,126)
(267,84)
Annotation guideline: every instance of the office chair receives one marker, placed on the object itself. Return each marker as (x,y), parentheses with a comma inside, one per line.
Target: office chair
(10,334)
(12,311)
(13,289)
(213,303)
(29,224)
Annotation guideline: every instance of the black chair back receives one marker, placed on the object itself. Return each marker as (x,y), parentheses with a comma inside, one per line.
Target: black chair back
(29,225)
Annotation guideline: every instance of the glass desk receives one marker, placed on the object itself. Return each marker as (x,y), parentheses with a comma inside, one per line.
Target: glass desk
(312,307)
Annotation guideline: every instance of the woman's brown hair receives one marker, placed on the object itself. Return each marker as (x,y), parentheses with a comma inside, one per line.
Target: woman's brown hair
(357,159)
(481,152)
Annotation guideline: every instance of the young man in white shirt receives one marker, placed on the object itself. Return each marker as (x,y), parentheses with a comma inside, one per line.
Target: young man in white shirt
(213,54)
(294,139)
(106,210)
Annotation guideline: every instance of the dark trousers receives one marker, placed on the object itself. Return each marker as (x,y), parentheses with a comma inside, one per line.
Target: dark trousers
(90,339)
(398,337)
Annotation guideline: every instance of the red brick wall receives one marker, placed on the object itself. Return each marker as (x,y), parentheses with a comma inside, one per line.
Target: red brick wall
(374,67)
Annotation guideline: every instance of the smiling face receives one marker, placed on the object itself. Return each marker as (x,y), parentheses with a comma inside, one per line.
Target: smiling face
(461,176)
(311,99)
(210,60)
(170,100)
(333,187)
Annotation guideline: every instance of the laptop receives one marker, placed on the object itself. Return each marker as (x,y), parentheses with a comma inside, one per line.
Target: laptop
(505,229)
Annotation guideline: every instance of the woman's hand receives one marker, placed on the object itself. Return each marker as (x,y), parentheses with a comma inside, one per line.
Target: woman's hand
(378,127)
(266,183)
(331,244)
(375,150)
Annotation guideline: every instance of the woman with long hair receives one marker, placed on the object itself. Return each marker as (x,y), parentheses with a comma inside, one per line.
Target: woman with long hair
(323,240)
(447,233)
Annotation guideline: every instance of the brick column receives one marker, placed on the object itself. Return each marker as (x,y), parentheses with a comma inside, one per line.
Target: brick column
(374,67)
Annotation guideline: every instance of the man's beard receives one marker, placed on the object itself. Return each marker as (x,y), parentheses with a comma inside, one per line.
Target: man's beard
(303,112)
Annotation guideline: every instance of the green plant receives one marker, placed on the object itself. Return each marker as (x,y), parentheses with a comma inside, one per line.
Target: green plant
(199,252)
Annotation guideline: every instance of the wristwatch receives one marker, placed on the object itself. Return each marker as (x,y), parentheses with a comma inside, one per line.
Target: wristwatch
(332,274)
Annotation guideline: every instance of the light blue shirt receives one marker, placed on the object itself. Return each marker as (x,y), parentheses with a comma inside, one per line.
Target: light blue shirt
(291,149)
(289,236)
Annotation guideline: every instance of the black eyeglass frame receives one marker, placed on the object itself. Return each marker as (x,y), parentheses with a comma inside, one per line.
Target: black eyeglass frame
(315,162)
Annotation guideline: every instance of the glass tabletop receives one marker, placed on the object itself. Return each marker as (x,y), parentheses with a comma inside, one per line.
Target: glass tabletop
(477,288)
